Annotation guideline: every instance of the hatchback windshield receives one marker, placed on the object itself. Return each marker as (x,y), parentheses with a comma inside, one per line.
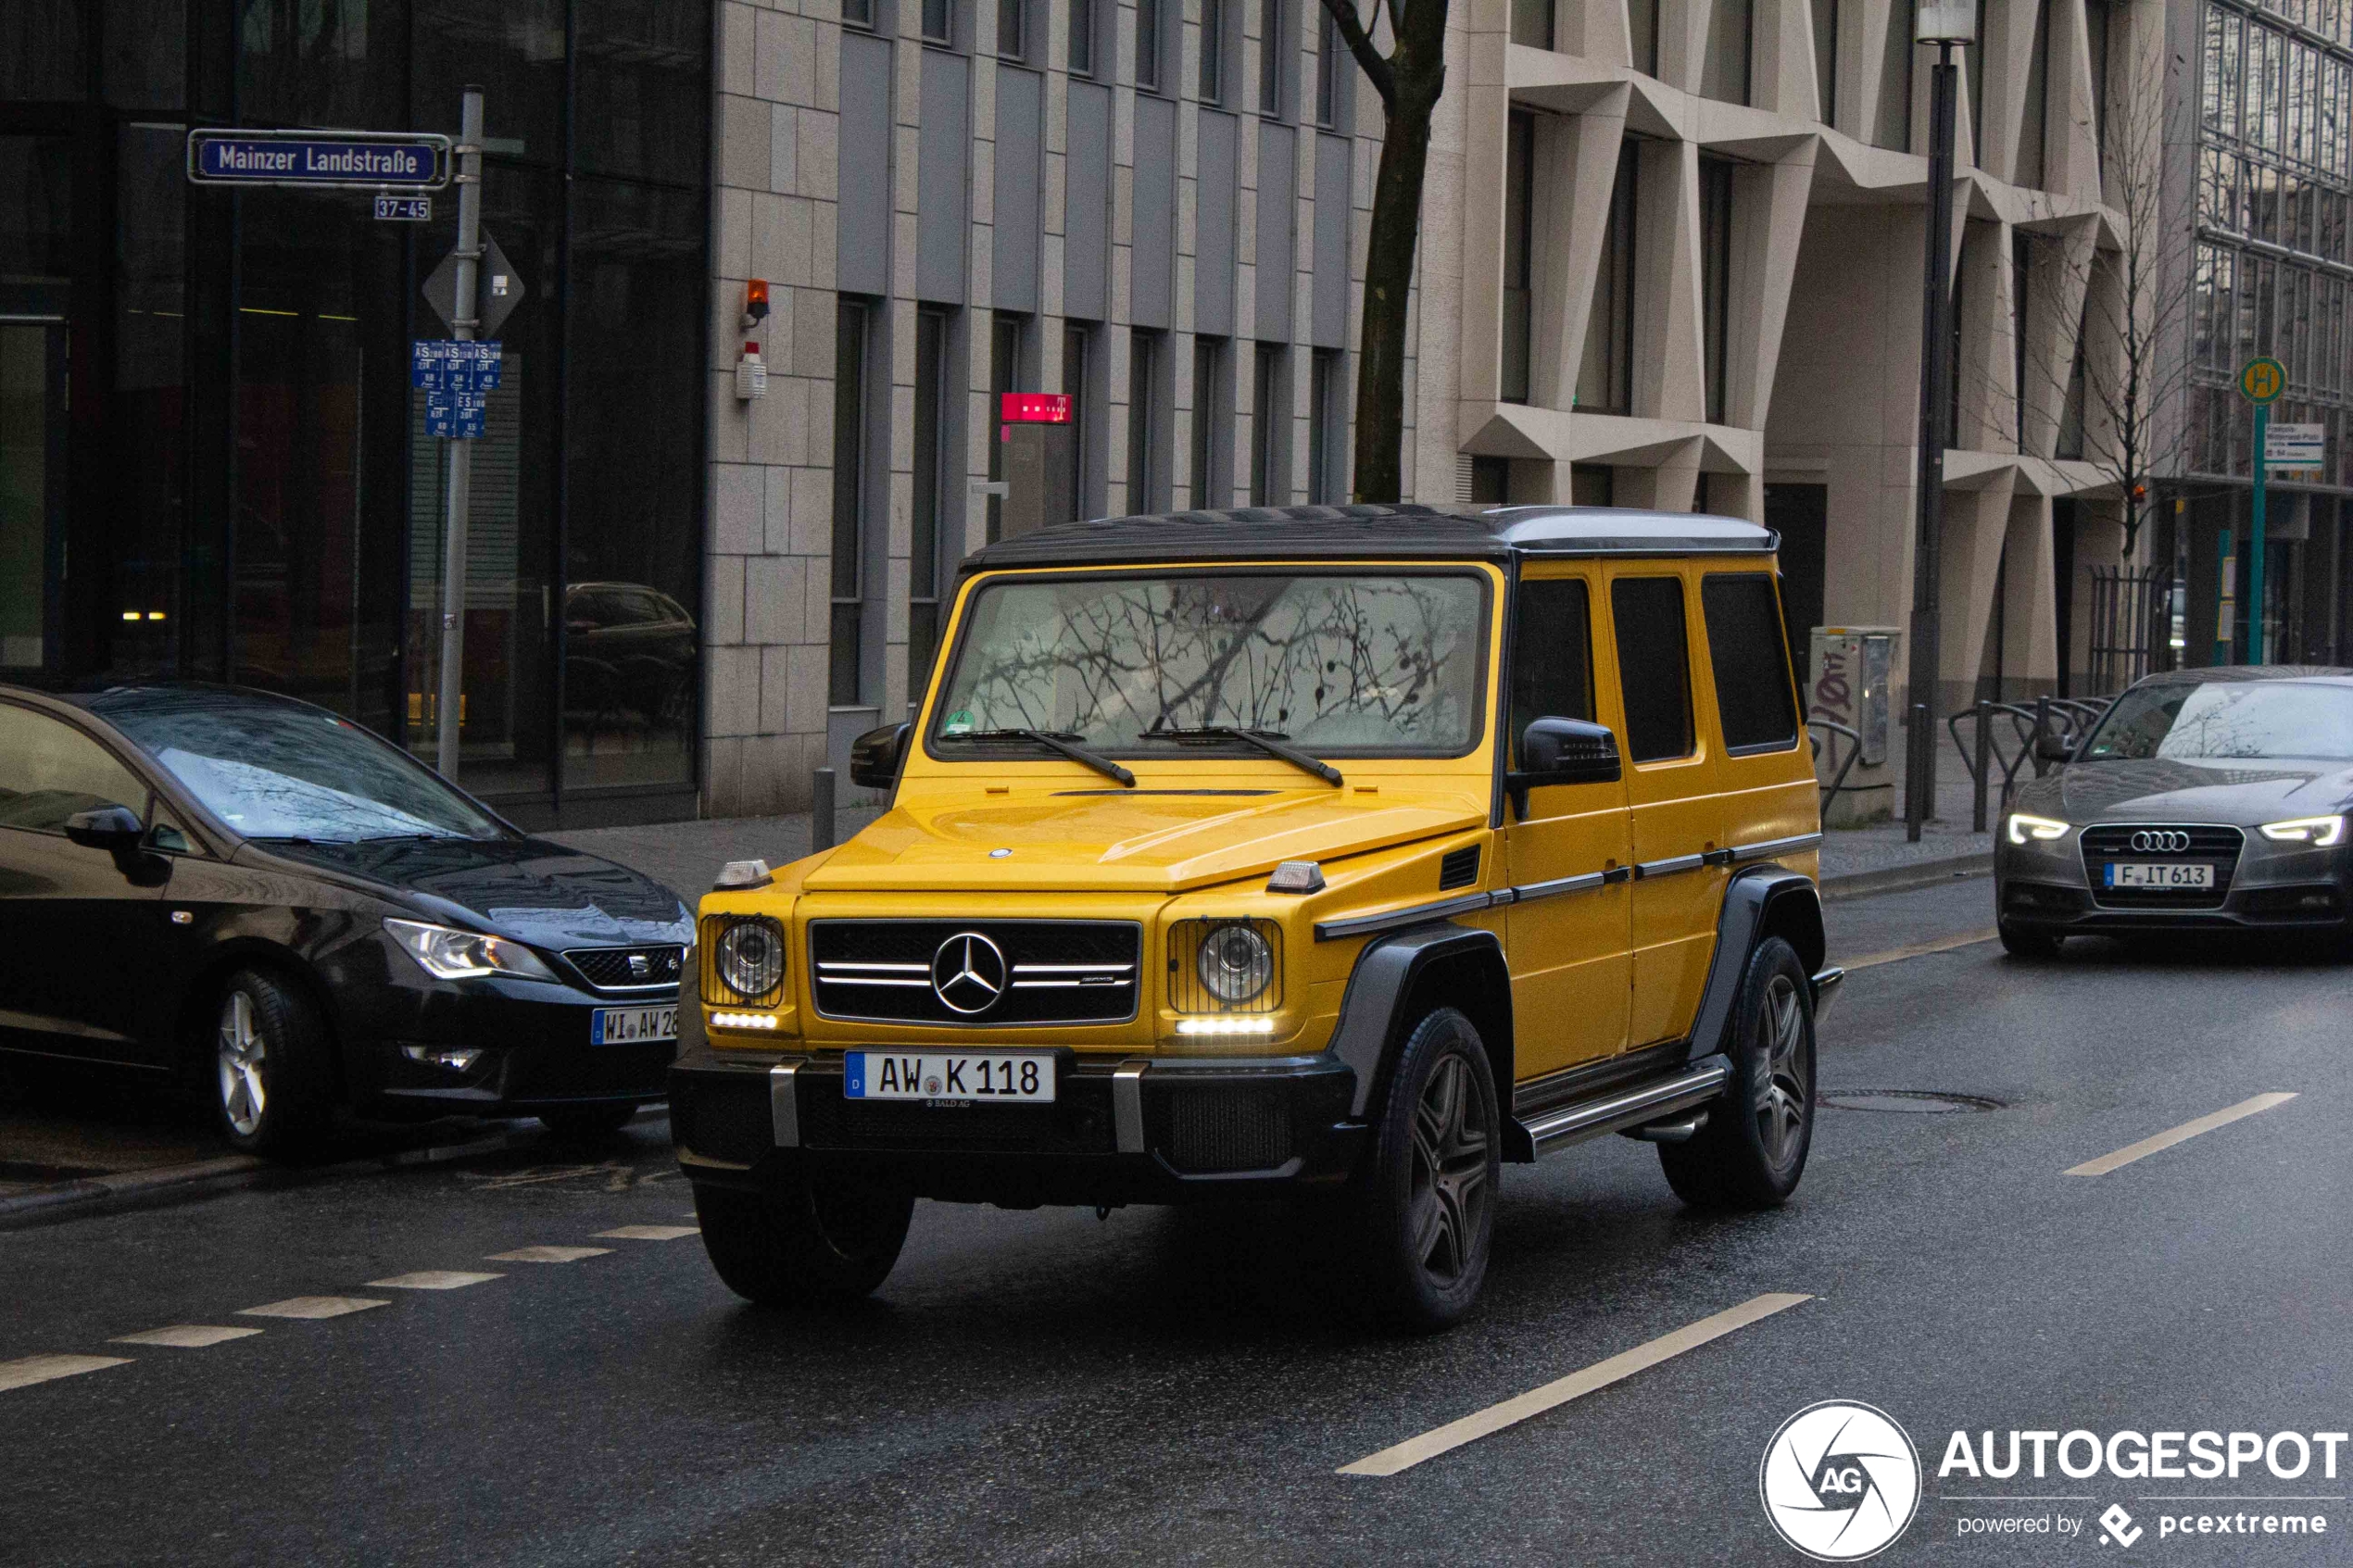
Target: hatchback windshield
(2228,718)
(1387,665)
(281,771)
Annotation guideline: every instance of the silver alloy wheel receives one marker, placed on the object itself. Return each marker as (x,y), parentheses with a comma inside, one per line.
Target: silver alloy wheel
(1782,1087)
(244,1096)
(1450,1172)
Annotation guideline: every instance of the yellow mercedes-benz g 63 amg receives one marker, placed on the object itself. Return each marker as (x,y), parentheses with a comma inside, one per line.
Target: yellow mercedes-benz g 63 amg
(1346,850)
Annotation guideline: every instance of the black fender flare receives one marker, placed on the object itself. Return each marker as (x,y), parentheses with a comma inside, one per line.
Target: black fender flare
(1758,898)
(1372,1022)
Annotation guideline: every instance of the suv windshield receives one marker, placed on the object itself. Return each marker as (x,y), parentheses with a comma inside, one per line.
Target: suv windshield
(279,771)
(2234,719)
(1335,663)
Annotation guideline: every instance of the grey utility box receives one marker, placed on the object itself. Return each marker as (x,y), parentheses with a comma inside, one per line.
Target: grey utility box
(1849,673)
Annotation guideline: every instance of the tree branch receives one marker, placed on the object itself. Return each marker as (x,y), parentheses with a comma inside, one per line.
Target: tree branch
(1360,43)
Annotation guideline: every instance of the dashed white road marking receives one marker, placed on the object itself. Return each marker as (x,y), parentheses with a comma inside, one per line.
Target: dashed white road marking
(1601,1374)
(548,1254)
(2181,1133)
(185,1336)
(431,1279)
(311,1307)
(647,1233)
(43,1369)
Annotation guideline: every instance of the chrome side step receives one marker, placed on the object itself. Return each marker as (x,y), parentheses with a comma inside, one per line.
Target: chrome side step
(1630,1108)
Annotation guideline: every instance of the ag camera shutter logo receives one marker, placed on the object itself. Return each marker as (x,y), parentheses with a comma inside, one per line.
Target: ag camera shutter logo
(1840,1481)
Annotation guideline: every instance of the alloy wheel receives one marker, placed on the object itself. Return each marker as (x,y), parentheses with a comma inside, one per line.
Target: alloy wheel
(244,1096)
(1450,1190)
(1782,1087)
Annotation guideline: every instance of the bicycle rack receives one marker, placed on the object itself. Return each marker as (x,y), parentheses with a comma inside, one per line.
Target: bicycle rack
(2069,718)
(1854,754)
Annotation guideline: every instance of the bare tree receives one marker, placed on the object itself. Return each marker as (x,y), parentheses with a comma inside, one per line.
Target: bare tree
(1409,79)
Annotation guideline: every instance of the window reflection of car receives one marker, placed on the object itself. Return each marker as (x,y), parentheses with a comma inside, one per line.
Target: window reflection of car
(628,649)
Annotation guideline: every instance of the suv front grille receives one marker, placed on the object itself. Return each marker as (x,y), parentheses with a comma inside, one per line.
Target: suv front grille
(628,969)
(976,973)
(2106,842)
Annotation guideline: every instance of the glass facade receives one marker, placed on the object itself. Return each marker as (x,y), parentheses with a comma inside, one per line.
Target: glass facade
(212,465)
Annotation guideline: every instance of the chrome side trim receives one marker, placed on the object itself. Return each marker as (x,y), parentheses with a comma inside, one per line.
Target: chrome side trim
(1127,1107)
(784,1105)
(1671,866)
(1575,1124)
(1772,847)
(1395,920)
(1826,986)
(1585,882)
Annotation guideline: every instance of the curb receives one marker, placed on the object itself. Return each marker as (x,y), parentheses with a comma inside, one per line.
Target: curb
(1898,879)
(130,1188)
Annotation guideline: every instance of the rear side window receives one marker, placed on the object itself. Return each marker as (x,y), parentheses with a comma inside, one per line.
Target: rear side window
(1654,666)
(1749,651)
(49,770)
(1551,655)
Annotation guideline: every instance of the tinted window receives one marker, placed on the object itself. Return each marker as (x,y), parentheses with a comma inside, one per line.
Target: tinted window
(294,773)
(49,770)
(1751,660)
(1654,668)
(1551,655)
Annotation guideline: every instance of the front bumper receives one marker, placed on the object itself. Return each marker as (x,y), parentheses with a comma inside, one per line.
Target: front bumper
(2043,888)
(1142,1130)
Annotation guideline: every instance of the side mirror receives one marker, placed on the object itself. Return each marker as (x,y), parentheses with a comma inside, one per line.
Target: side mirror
(876,756)
(112,828)
(2054,748)
(1562,751)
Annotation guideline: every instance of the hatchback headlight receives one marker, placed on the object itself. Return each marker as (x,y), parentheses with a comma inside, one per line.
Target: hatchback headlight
(2025,829)
(2317,832)
(747,960)
(446,953)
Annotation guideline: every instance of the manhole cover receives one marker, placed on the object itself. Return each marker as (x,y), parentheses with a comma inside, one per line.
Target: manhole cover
(1906,1102)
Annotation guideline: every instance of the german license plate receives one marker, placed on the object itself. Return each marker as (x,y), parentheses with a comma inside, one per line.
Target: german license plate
(632,1027)
(949,1075)
(2157,876)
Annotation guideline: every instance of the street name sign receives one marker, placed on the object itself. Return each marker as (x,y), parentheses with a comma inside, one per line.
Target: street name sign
(348,160)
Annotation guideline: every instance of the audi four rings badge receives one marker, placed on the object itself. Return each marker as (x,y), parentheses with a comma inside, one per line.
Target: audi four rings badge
(2161,841)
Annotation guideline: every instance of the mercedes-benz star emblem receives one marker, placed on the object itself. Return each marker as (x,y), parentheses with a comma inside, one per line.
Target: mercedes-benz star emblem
(2161,841)
(968,972)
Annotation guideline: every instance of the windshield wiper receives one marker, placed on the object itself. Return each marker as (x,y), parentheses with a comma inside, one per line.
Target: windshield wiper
(1268,741)
(1053,740)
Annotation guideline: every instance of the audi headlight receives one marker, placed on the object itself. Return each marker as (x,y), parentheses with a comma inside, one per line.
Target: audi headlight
(2025,829)
(446,953)
(2318,832)
(750,957)
(1235,963)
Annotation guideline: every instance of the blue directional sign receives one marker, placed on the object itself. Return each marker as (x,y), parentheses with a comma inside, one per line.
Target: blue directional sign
(440,365)
(461,416)
(347,160)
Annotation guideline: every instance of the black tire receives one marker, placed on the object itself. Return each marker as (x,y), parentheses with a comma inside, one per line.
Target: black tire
(2025,942)
(1425,1199)
(826,1245)
(588,1124)
(1752,1149)
(271,1068)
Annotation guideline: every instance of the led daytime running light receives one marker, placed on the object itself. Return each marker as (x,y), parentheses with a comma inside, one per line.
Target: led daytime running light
(1225,1026)
(2024,828)
(2318,832)
(749,1021)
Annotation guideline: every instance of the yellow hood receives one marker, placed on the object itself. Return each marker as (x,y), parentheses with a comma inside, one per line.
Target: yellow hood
(1143,840)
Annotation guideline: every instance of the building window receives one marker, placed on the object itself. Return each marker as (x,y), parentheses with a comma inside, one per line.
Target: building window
(927,516)
(1213,51)
(1327,430)
(846,684)
(1145,479)
(1490,481)
(1826,59)
(1724,67)
(2022,279)
(1148,44)
(1641,21)
(1331,61)
(1606,373)
(1078,343)
(2030,124)
(1212,408)
(1276,50)
(939,21)
(1082,37)
(1006,334)
(1715,275)
(1591,484)
(1532,23)
(1893,129)
(1012,28)
(858,13)
(1268,486)
(1519,247)
(2095,46)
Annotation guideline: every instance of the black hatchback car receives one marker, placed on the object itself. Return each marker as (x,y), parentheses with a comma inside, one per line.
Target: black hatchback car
(292,915)
(2211,799)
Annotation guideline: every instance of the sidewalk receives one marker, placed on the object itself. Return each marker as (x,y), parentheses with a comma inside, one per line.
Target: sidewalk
(1881,854)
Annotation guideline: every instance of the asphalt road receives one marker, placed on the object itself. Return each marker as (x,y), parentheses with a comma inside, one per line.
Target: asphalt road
(1044,1387)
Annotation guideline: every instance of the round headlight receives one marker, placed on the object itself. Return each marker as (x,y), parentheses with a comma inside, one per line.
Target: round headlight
(1235,963)
(751,957)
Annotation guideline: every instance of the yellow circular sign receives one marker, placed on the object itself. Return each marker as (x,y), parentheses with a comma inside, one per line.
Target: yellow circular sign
(2262,381)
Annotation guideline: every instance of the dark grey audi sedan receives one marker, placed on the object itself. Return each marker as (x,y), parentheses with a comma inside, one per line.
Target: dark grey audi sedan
(2204,798)
(289,914)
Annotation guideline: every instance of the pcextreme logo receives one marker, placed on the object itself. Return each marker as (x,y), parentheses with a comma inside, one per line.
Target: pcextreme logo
(1840,1480)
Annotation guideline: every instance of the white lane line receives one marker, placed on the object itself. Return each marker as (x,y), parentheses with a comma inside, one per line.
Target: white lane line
(2181,1133)
(311,1307)
(1918,949)
(185,1336)
(43,1369)
(647,1233)
(1601,1374)
(431,1279)
(548,1254)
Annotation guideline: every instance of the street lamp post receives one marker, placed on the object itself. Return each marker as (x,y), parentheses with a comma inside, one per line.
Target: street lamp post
(1943,26)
